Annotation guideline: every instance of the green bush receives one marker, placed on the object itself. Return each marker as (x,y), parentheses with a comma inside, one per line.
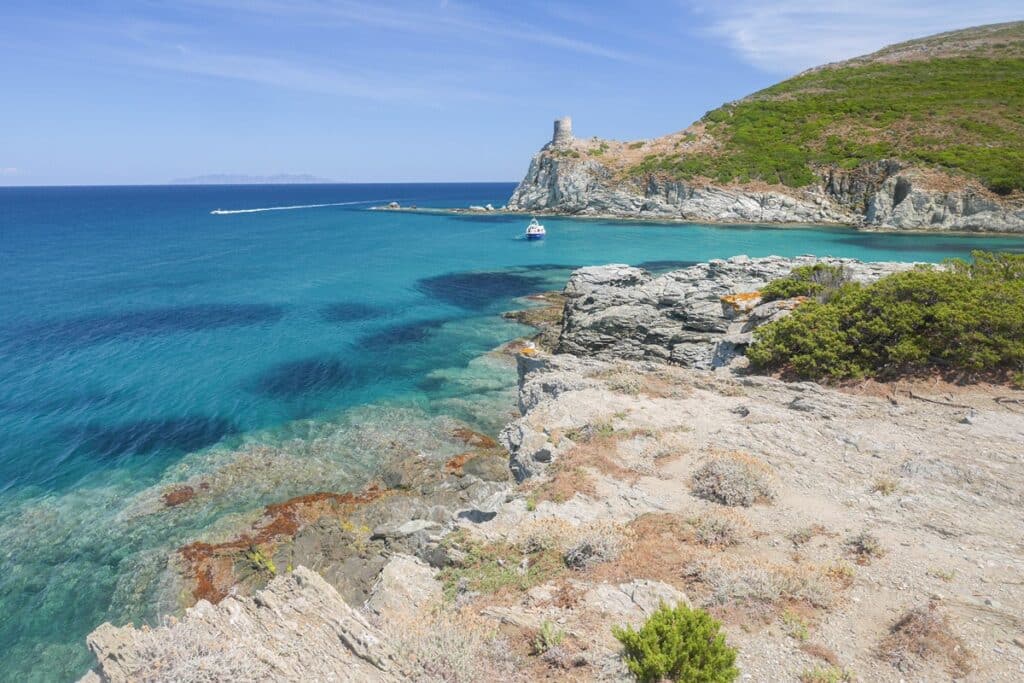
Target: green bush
(680,644)
(820,280)
(966,320)
(962,114)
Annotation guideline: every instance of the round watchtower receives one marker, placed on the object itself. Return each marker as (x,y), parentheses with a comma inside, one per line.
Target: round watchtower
(563,132)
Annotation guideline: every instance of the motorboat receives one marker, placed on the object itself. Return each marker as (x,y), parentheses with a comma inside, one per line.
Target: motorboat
(535,231)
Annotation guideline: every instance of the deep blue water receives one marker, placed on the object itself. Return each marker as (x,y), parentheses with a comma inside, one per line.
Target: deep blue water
(144,341)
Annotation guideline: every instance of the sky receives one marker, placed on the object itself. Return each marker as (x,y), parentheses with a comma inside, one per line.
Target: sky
(146,91)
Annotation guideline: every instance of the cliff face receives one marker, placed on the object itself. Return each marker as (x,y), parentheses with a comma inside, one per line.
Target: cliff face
(922,136)
(881,195)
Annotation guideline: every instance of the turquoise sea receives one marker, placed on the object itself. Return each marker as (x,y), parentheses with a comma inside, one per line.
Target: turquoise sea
(145,341)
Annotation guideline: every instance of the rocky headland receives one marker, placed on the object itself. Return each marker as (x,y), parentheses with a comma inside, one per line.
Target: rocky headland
(861,532)
(907,138)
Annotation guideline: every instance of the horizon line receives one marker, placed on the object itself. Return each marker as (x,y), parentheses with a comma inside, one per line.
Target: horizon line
(174,184)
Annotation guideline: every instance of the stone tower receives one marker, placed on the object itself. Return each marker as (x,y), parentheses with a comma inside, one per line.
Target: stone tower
(563,132)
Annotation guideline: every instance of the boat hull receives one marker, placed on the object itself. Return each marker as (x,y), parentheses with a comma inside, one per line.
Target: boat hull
(535,237)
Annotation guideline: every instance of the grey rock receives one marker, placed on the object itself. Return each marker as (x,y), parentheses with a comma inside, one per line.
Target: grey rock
(681,317)
(883,194)
(298,628)
(405,583)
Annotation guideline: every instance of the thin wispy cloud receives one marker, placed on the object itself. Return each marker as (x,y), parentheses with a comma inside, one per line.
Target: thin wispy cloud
(8,171)
(445,20)
(787,36)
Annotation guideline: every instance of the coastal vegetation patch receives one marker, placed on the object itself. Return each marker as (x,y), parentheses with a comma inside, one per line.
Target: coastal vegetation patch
(961,113)
(966,320)
(678,644)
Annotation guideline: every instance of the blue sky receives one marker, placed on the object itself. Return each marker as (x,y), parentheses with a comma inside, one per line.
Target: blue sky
(146,91)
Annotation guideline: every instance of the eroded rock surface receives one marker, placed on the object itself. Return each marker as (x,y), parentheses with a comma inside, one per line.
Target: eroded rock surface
(699,317)
(885,194)
(296,629)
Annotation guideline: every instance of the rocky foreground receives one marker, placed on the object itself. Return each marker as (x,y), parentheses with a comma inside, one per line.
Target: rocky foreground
(861,533)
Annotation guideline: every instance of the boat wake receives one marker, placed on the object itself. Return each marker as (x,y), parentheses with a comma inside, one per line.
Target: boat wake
(227,212)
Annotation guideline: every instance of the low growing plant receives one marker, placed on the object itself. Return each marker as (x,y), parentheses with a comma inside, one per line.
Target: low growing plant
(679,644)
(820,281)
(965,320)
(548,636)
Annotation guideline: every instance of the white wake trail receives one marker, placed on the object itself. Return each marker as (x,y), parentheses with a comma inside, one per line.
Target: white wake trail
(226,212)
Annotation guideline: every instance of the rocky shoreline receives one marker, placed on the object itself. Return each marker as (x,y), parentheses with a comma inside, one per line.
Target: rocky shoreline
(590,508)
(585,178)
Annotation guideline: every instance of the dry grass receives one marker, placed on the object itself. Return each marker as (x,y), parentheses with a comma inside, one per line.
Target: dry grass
(828,674)
(651,384)
(566,480)
(581,546)
(864,547)
(822,652)
(720,530)
(842,573)
(451,646)
(885,485)
(756,581)
(804,535)
(924,634)
(658,546)
(734,479)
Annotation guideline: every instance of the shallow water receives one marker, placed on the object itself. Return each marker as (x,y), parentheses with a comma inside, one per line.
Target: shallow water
(145,341)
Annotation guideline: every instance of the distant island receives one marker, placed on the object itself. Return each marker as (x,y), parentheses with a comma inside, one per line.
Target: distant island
(242,179)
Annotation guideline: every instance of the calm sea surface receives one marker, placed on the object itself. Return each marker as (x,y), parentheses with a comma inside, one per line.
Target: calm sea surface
(145,341)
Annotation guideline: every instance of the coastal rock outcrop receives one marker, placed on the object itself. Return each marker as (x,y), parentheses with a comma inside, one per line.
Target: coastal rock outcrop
(883,195)
(297,628)
(698,317)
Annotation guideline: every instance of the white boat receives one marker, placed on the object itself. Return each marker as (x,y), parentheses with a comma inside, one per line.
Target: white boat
(535,231)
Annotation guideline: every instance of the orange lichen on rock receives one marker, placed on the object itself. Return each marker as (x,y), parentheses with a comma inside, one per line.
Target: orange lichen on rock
(742,301)
(454,465)
(178,495)
(473,439)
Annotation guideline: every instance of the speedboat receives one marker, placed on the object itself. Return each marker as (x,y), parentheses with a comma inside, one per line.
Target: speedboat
(535,231)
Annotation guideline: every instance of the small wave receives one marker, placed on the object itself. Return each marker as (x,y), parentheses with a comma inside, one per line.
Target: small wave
(227,212)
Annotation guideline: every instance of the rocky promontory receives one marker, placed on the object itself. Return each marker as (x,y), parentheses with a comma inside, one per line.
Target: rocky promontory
(907,138)
(861,532)
(701,316)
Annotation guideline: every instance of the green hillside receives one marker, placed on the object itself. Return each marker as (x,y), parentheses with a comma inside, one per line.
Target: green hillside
(953,101)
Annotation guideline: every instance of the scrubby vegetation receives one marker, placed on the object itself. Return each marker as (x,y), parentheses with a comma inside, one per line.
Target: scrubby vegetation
(924,633)
(679,644)
(827,674)
(732,479)
(548,636)
(490,568)
(864,546)
(820,281)
(966,319)
(960,112)
(717,532)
